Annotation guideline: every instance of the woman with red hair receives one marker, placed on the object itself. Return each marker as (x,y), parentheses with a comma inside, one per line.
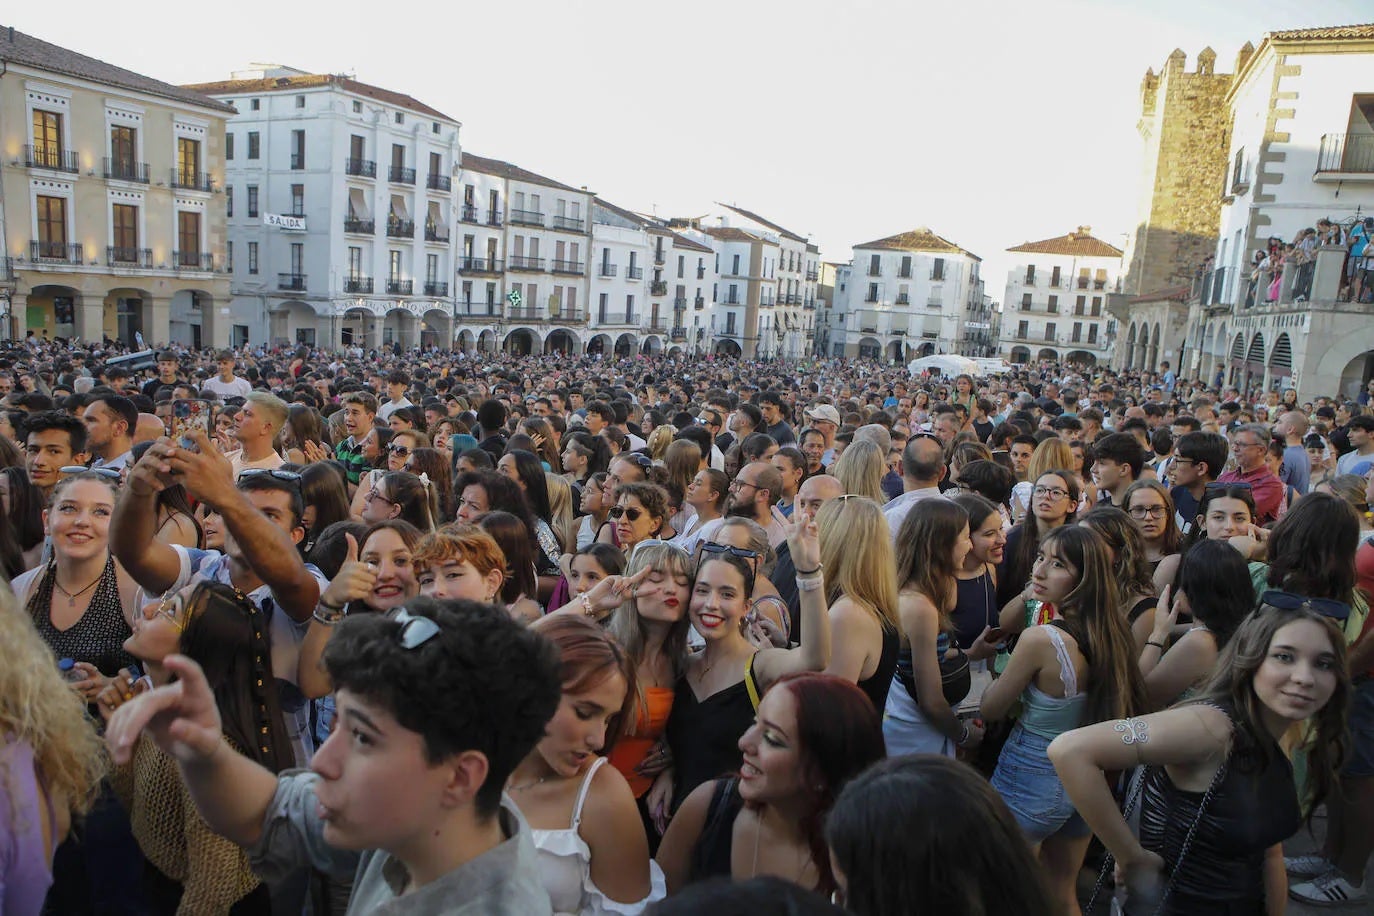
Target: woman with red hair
(813,733)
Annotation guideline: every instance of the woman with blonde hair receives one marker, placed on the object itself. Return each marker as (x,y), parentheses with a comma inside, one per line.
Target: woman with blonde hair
(658,442)
(561,510)
(1048,455)
(51,762)
(860,470)
(862,594)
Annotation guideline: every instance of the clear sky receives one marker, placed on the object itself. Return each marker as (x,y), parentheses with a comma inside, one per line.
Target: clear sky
(991,122)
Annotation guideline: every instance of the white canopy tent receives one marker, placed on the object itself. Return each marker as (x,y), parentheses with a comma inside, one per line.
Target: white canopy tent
(946,364)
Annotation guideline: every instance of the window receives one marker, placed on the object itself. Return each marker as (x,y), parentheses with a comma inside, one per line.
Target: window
(400,118)
(188,161)
(1077,331)
(905,272)
(875,265)
(298,200)
(297,149)
(1023,330)
(252,201)
(1049,331)
(252,257)
(436,164)
(467,291)
(872,293)
(491,294)
(125,230)
(357,148)
(123,151)
(938,272)
(1079,304)
(229,257)
(394,265)
(229,201)
(1030,275)
(357,107)
(398,156)
(1097,306)
(297,258)
(1054,304)
(47,138)
(434,126)
(734,269)
(254,144)
(188,237)
(355,263)
(681,266)
(1092,333)
(1025,300)
(229,147)
(254,104)
(52,227)
(300,101)
(431,268)
(1054,277)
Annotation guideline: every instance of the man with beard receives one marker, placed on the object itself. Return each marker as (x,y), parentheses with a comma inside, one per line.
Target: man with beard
(753,492)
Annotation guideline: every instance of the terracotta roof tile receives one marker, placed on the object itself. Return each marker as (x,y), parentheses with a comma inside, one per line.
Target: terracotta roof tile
(919,239)
(513,172)
(681,241)
(314,81)
(1334,32)
(731,234)
(19,48)
(1080,244)
(747,214)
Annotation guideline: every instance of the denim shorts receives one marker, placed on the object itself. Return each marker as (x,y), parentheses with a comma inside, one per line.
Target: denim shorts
(1360,763)
(1027,782)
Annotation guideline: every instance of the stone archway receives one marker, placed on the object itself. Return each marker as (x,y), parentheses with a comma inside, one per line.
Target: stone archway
(624,345)
(400,327)
(870,348)
(600,343)
(359,328)
(1048,353)
(1020,355)
(561,340)
(728,348)
(436,329)
(1080,358)
(652,344)
(521,342)
(466,341)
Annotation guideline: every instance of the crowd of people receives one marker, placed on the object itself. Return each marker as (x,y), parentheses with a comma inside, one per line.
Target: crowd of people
(433,632)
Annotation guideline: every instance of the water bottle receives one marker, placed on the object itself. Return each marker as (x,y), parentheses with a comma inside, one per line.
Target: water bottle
(70,672)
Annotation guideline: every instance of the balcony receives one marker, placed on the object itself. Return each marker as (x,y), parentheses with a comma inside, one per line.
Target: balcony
(56,252)
(607,270)
(1056,283)
(527,217)
(701,273)
(634,273)
(533,265)
(812,276)
(730,299)
(118,256)
(658,289)
(678,333)
(363,168)
(51,157)
(656,326)
(568,224)
(617,318)
(679,303)
(871,297)
(935,302)
(399,174)
(569,267)
(875,270)
(436,288)
(439,182)
(400,228)
(493,217)
(904,273)
(1099,284)
(297,161)
(490,311)
(291,282)
(437,234)
(186,180)
(1345,155)
(1082,283)
(938,276)
(481,265)
(396,287)
(358,285)
(193,260)
(699,303)
(790,299)
(903,299)
(126,170)
(468,213)
(658,257)
(360,226)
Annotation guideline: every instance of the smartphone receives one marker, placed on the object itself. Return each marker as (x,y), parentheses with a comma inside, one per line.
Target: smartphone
(189,414)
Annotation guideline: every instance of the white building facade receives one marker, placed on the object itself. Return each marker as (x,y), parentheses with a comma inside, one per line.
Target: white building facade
(341,210)
(793,279)
(907,295)
(1302,150)
(1055,304)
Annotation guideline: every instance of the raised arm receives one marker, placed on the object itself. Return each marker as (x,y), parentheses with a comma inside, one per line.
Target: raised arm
(153,564)
(813,654)
(231,792)
(266,547)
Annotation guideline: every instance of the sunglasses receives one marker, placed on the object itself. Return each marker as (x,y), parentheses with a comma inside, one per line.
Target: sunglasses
(1287,601)
(401,450)
(742,552)
(415,630)
(274,473)
(643,461)
(107,473)
(629,512)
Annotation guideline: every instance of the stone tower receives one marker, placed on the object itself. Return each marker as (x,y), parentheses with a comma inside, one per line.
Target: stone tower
(1183,123)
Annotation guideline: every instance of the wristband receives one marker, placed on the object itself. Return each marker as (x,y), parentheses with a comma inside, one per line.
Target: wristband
(1158,645)
(587,608)
(328,614)
(810,583)
(811,572)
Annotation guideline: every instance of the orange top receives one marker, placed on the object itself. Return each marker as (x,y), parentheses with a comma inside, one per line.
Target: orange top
(630,750)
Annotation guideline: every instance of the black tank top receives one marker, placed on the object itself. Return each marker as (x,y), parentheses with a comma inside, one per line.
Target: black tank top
(704,735)
(98,637)
(975,607)
(1255,805)
(711,854)
(877,686)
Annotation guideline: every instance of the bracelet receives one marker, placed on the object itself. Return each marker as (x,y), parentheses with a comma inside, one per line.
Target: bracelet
(811,572)
(587,608)
(963,736)
(1158,645)
(810,583)
(330,616)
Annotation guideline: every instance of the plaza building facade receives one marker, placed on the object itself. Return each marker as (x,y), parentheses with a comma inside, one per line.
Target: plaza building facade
(1055,300)
(341,210)
(112,204)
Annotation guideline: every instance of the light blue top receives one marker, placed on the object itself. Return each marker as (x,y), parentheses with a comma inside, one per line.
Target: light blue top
(1047,716)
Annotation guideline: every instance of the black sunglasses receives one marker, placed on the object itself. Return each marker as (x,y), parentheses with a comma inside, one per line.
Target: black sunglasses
(107,473)
(274,473)
(643,461)
(742,552)
(401,450)
(629,512)
(1287,601)
(415,630)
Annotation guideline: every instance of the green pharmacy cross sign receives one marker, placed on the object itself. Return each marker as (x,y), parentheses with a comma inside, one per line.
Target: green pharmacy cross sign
(514,298)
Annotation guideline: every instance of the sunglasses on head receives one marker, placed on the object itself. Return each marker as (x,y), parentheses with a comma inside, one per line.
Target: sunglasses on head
(107,473)
(274,473)
(643,461)
(1287,601)
(742,552)
(415,630)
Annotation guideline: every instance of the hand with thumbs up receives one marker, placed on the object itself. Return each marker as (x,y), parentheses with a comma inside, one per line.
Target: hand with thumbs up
(354,581)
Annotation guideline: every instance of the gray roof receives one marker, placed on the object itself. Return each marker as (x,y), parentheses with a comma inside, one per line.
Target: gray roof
(19,48)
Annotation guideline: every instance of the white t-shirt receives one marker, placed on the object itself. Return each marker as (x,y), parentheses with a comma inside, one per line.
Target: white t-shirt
(270,463)
(234,388)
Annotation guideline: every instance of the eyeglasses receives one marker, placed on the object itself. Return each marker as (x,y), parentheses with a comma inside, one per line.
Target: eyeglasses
(1247,445)
(1148,511)
(1287,601)
(629,512)
(274,473)
(1051,492)
(743,553)
(399,450)
(415,630)
(167,607)
(375,494)
(737,483)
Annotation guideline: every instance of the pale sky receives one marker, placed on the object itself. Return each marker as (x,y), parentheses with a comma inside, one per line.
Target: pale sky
(991,122)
